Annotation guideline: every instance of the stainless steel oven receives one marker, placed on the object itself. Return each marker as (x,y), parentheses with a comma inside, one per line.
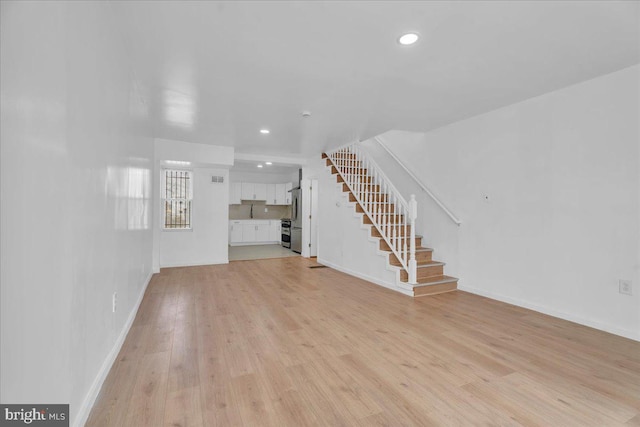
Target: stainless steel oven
(286,233)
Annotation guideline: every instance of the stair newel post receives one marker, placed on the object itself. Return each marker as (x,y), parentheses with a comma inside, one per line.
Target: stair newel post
(413,265)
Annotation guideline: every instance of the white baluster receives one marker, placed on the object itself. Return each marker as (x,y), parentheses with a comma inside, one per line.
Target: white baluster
(392,229)
(405,237)
(413,265)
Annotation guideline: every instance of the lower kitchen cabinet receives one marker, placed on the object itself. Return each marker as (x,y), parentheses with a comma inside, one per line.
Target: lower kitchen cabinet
(249,233)
(258,232)
(235,231)
(275,231)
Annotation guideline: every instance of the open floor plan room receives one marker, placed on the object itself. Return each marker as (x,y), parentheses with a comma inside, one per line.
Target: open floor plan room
(277,343)
(320,213)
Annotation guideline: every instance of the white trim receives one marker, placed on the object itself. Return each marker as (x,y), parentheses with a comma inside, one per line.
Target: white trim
(277,160)
(270,242)
(371,279)
(196,263)
(94,390)
(633,335)
(415,178)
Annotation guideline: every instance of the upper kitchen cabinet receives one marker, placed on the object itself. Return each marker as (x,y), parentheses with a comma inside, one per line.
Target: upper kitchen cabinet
(260,191)
(235,193)
(271,194)
(251,191)
(281,194)
(248,191)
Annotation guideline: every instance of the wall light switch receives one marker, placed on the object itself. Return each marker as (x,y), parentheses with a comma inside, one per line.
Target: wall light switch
(625,287)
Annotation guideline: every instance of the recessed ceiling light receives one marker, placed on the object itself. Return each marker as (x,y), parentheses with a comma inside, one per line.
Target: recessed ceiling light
(259,166)
(268,163)
(264,131)
(409,38)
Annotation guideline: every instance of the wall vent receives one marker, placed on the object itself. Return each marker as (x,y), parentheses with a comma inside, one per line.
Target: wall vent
(217,179)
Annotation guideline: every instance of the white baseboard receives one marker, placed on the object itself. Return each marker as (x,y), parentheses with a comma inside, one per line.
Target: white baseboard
(90,398)
(633,335)
(362,276)
(273,242)
(196,263)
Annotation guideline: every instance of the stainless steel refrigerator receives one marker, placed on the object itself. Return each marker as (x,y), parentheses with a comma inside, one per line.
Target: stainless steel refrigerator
(296,220)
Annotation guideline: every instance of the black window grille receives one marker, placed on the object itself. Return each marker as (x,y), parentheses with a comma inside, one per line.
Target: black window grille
(177,199)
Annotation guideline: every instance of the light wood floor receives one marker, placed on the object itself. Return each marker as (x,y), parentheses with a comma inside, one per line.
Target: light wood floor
(275,343)
(251,252)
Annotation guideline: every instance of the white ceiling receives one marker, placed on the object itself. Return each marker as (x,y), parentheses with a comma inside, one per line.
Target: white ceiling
(252,166)
(217,72)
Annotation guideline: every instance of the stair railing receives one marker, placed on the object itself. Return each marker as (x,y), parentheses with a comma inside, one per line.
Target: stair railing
(388,211)
(417,180)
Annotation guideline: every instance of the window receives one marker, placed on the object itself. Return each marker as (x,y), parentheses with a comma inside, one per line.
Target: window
(177,199)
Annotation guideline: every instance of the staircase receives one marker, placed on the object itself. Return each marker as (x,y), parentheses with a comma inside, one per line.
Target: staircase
(392,221)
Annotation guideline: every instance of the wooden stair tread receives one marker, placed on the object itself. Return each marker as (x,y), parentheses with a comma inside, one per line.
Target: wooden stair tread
(435,285)
(431,263)
(435,280)
(418,249)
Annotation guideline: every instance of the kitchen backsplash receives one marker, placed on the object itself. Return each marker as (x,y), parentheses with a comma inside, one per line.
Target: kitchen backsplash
(243,211)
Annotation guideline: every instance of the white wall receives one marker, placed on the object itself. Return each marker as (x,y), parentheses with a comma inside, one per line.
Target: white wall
(76,160)
(265,178)
(207,241)
(343,242)
(562,220)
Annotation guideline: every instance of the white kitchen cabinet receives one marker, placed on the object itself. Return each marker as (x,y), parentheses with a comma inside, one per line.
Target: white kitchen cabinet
(235,231)
(235,193)
(262,233)
(253,191)
(288,187)
(248,191)
(275,231)
(281,194)
(260,191)
(271,194)
(248,232)
(254,231)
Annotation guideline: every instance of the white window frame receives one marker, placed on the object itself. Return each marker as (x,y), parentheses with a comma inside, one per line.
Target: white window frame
(188,199)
